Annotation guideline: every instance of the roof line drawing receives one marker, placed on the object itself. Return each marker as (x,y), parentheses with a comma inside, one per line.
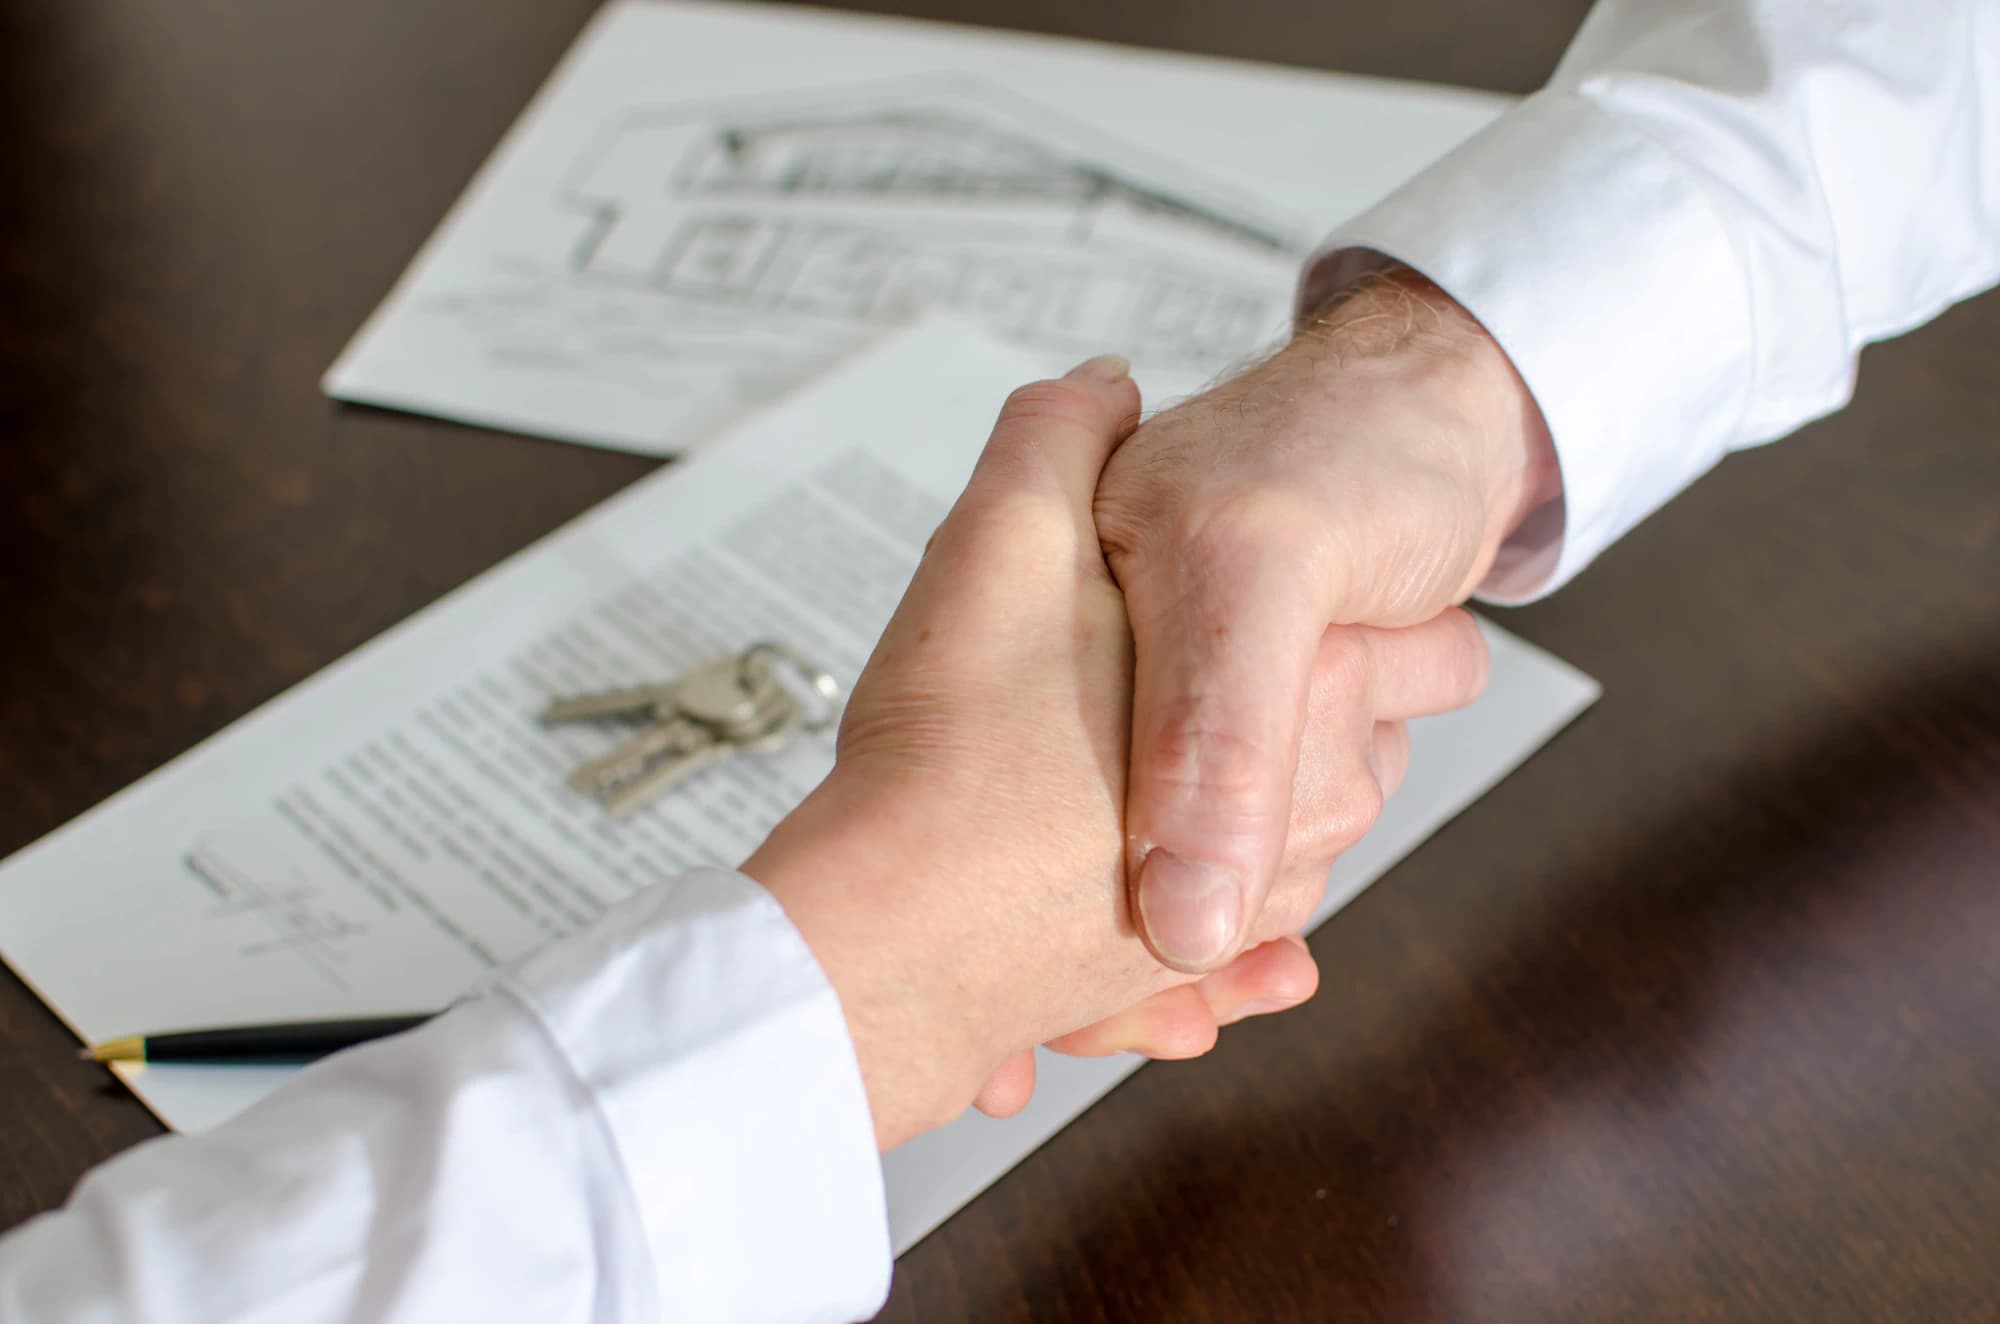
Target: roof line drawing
(867,202)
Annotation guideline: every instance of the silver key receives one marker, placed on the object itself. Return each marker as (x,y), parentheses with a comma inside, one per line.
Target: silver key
(715,698)
(663,776)
(727,706)
(726,693)
(666,737)
(635,701)
(712,692)
(773,723)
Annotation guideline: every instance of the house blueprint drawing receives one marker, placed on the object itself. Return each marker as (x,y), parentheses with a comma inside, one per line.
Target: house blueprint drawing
(675,233)
(866,208)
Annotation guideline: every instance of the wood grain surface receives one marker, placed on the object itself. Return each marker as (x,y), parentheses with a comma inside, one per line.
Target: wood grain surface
(1695,1018)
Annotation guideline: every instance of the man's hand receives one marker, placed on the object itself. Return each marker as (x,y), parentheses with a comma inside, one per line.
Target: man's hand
(960,874)
(1364,476)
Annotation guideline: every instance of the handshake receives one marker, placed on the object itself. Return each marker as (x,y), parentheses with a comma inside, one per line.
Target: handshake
(1148,682)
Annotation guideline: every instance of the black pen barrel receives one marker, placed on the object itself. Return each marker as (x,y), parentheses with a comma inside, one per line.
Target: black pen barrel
(305,1041)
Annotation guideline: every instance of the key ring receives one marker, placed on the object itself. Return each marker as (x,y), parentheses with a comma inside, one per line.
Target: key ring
(820,682)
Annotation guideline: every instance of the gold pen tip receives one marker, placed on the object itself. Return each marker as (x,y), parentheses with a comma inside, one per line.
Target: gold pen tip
(132,1048)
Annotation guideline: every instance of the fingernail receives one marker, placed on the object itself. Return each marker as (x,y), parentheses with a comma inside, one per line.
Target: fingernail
(1260,1007)
(1105,368)
(1189,909)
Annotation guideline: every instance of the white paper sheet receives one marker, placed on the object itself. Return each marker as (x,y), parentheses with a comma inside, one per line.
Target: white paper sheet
(707,204)
(378,837)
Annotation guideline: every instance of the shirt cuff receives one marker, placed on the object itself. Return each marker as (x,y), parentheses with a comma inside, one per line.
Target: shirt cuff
(1595,260)
(719,1059)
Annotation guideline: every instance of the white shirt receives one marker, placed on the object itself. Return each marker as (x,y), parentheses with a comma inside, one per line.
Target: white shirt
(1682,244)
(659,1118)
(1684,241)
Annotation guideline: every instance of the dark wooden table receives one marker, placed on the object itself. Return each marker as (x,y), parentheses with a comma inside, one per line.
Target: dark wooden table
(1696,1017)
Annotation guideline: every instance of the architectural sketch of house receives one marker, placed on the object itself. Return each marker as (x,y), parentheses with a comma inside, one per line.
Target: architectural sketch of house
(869,208)
(709,204)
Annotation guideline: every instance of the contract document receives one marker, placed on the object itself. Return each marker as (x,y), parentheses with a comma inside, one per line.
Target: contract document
(381,836)
(707,204)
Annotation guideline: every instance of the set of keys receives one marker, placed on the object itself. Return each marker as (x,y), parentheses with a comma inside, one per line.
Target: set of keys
(731,705)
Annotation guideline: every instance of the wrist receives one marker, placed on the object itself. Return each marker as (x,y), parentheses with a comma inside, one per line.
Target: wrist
(837,867)
(1395,329)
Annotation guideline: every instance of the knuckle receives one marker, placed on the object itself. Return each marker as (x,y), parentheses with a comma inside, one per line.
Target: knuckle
(1392,756)
(1291,907)
(1345,667)
(1182,1036)
(1313,846)
(1054,401)
(1445,663)
(1037,421)
(1181,1027)
(1354,811)
(1229,773)
(1473,659)
(1392,742)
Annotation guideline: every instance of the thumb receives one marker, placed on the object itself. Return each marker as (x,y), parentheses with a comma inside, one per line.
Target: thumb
(1225,644)
(1053,437)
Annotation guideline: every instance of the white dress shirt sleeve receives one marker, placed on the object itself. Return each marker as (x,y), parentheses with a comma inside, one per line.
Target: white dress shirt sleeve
(1684,241)
(659,1118)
